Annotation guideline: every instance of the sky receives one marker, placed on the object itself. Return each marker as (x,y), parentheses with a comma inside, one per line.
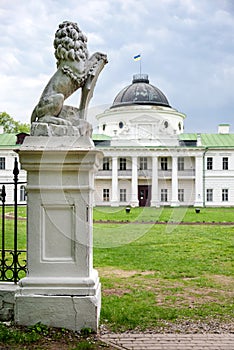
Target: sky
(187,49)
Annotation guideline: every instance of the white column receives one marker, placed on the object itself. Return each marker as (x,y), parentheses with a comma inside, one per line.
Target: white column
(198,181)
(154,196)
(114,196)
(174,182)
(134,196)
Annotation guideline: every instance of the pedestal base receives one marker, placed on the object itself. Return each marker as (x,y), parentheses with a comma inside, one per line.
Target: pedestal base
(63,311)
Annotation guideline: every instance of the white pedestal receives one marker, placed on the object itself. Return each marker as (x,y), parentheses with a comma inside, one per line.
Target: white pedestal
(61,288)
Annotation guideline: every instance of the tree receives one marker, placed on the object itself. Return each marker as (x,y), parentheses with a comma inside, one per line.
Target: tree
(12,126)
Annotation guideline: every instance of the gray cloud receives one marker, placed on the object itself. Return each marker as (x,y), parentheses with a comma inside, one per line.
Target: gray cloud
(187,48)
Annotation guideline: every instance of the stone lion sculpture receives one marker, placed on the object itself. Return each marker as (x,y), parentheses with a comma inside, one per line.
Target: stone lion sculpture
(75,69)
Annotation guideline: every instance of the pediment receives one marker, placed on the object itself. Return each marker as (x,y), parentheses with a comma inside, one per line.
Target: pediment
(144,119)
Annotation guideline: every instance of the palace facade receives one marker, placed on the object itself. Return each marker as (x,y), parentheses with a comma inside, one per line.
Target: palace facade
(148,159)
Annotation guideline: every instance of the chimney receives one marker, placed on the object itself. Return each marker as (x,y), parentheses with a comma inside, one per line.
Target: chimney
(199,142)
(223,128)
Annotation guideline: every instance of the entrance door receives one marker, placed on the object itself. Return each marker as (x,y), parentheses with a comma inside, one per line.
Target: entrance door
(144,195)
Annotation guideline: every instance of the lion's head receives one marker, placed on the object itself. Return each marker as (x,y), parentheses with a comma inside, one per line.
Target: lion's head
(70,43)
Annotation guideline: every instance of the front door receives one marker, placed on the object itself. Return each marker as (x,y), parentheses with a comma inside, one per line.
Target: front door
(144,195)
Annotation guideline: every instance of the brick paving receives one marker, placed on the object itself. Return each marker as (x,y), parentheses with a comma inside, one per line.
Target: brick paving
(170,341)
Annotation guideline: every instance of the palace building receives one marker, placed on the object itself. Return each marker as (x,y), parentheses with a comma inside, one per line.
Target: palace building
(148,159)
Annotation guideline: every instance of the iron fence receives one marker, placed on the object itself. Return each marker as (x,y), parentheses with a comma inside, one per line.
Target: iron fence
(13,261)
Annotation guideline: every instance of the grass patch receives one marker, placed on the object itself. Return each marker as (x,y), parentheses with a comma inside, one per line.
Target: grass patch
(152,273)
(164,214)
(165,276)
(40,337)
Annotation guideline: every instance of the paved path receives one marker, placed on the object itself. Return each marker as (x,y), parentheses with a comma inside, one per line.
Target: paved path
(170,341)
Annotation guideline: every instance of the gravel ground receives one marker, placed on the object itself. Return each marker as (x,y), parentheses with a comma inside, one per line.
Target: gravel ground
(184,327)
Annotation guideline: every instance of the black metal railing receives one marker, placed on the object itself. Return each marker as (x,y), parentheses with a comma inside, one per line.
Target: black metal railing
(13,263)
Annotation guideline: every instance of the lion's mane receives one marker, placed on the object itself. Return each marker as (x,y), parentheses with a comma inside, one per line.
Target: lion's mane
(70,43)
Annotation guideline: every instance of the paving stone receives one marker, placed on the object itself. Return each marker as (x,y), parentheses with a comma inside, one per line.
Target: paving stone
(171,341)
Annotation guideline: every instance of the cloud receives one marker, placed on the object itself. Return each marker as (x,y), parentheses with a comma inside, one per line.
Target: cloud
(187,48)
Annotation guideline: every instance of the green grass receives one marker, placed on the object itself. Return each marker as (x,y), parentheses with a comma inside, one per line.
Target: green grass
(188,251)
(164,214)
(15,336)
(40,337)
(154,273)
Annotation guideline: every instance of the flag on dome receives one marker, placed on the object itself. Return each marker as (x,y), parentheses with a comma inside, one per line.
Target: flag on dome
(137,58)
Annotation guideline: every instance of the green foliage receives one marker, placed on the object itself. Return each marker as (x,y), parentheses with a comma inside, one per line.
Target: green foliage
(12,126)
(39,328)
(84,345)
(86,331)
(10,335)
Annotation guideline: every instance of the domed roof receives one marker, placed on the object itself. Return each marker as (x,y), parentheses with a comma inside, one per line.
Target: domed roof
(140,92)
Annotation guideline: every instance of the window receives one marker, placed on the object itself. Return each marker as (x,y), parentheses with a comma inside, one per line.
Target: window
(121,125)
(180,163)
(22,193)
(224,195)
(122,164)
(106,195)
(143,163)
(106,163)
(209,163)
(123,195)
(181,195)
(225,163)
(2,163)
(164,195)
(164,163)
(209,194)
(104,127)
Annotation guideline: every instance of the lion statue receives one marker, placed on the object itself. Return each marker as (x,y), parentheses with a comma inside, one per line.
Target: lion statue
(75,69)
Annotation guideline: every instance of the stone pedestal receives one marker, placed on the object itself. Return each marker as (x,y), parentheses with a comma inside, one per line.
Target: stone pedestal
(61,288)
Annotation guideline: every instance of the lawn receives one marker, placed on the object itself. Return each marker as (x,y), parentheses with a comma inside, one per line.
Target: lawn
(155,271)
(164,214)
(150,276)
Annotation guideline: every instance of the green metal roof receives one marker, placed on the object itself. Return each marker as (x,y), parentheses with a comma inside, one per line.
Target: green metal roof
(207,140)
(100,137)
(210,140)
(7,140)
(217,140)
(188,137)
